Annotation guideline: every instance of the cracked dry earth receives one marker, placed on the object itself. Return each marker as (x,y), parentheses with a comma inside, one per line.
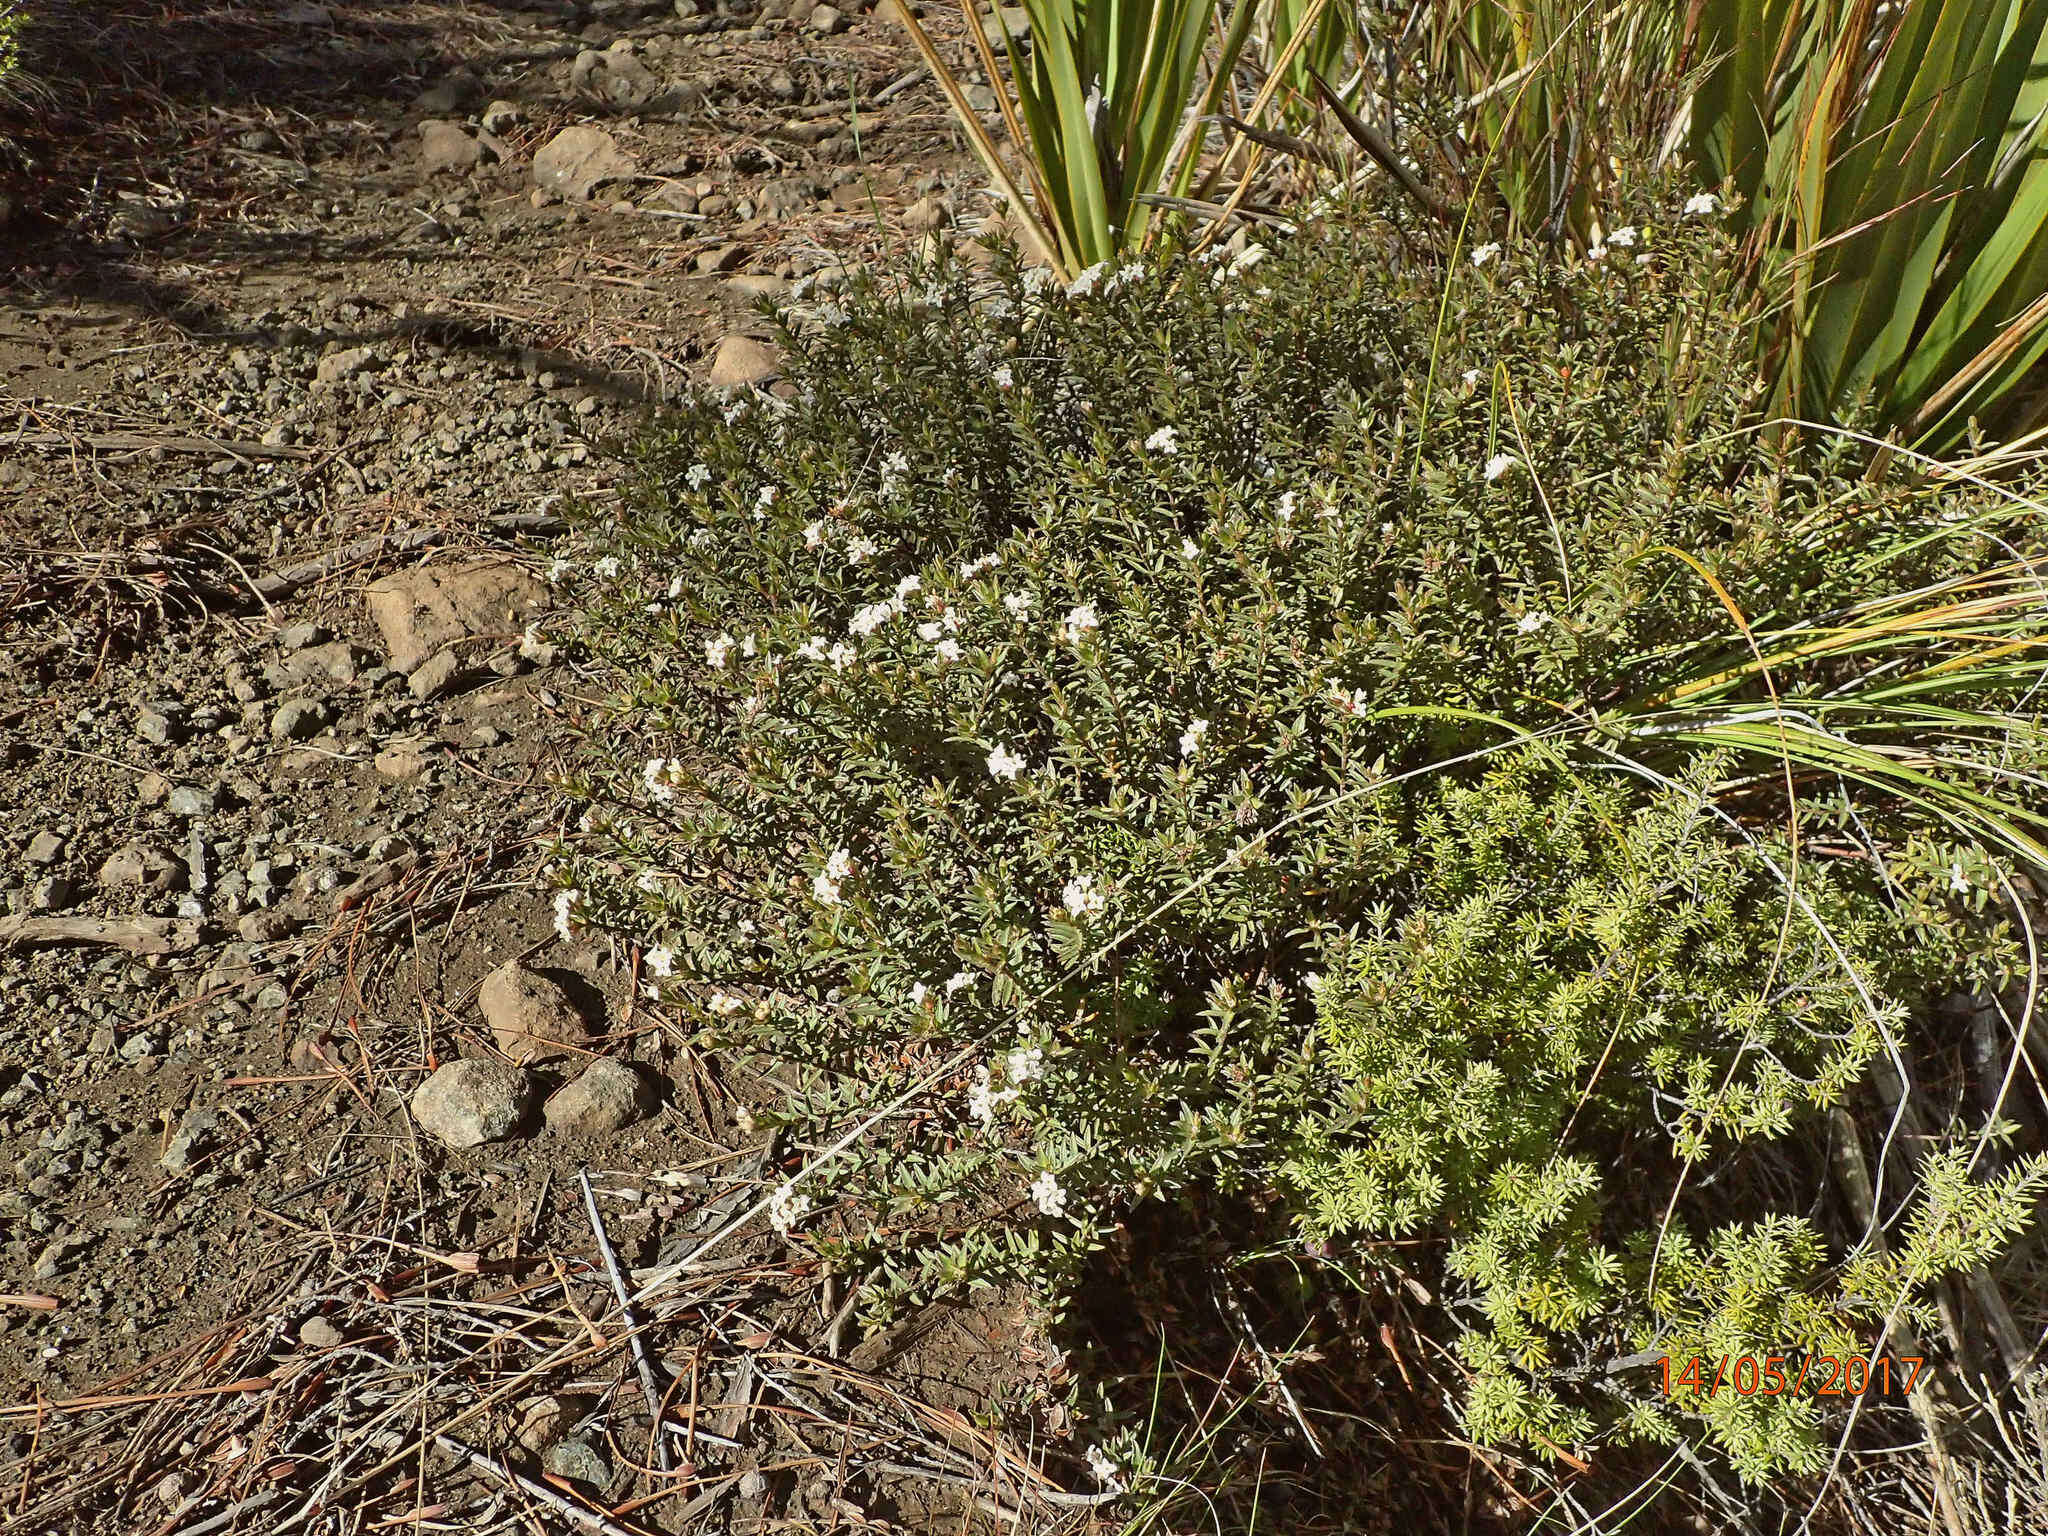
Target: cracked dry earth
(313,319)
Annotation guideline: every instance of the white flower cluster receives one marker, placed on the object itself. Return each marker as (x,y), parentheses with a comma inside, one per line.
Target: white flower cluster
(1082,621)
(786,1207)
(826,887)
(660,961)
(1166,440)
(1004,764)
(1352,702)
(661,775)
(1047,1195)
(1702,205)
(1499,465)
(1084,897)
(1105,1470)
(1191,738)
(568,917)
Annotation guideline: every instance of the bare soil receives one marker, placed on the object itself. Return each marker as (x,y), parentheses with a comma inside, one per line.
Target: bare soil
(256,351)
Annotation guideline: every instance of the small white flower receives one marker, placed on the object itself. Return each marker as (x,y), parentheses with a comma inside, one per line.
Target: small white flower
(661,776)
(1469,377)
(917,992)
(559,569)
(716,649)
(1078,623)
(873,617)
(1084,285)
(974,568)
(698,476)
(841,656)
(660,961)
(908,585)
(983,1098)
(1083,897)
(860,548)
(812,649)
(1024,1064)
(1702,205)
(1250,257)
(1188,549)
(1047,1195)
(1482,254)
(958,980)
(1596,252)
(567,922)
(1285,510)
(648,883)
(1623,237)
(1957,880)
(607,568)
(724,1004)
(1191,738)
(825,890)
(1104,1469)
(1352,702)
(1499,465)
(1004,378)
(930,632)
(1532,621)
(1165,440)
(767,496)
(840,864)
(949,650)
(1004,764)
(786,1208)
(1019,603)
(814,534)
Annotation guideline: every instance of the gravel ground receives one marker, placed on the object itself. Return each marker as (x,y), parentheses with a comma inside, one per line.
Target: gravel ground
(316,318)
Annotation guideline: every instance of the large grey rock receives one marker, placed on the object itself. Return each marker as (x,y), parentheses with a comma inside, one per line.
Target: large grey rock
(577,160)
(190,1141)
(531,1017)
(609,1096)
(468,1103)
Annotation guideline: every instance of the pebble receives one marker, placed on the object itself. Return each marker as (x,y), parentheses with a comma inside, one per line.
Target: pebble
(609,1096)
(434,677)
(296,637)
(467,1103)
(189,800)
(298,720)
(158,728)
(194,1134)
(579,1459)
(827,21)
(318,1333)
(44,848)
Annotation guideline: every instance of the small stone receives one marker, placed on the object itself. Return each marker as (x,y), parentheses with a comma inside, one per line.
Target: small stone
(344,364)
(743,360)
(753,1485)
(402,762)
(531,1018)
(141,863)
(722,258)
(52,893)
(158,728)
(189,800)
(337,661)
(752,286)
(544,1420)
(296,637)
(422,610)
(435,676)
(318,1333)
(44,848)
(467,1103)
(488,736)
(151,789)
(298,720)
(826,21)
(194,1134)
(579,1459)
(501,117)
(446,147)
(609,1096)
(266,925)
(576,160)
(926,215)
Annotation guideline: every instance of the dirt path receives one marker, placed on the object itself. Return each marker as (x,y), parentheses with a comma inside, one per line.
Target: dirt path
(298,296)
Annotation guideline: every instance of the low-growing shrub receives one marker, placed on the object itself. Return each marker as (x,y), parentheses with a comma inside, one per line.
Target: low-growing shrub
(1018,719)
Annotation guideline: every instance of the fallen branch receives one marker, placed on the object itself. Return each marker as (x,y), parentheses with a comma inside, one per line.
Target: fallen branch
(289,580)
(137,442)
(137,935)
